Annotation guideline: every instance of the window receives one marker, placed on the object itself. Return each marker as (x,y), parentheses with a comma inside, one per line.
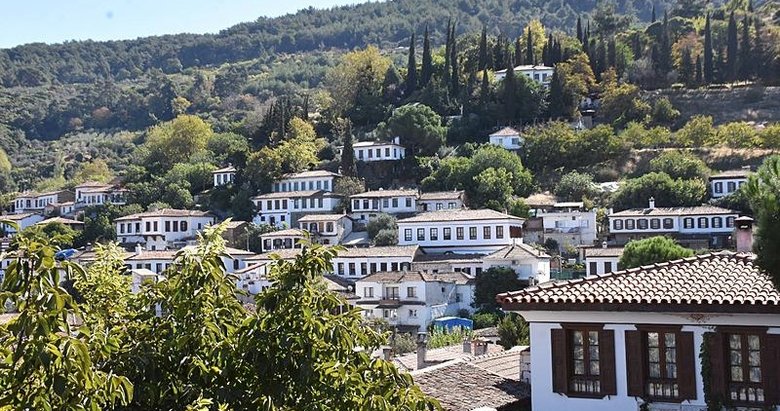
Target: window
(352,269)
(167,226)
(412,313)
(370,153)
(420,234)
(731,187)
(154,226)
(730,222)
(175,226)
(617,224)
(668,223)
(585,362)
(360,154)
(363,268)
(499,231)
(387,151)
(486,232)
(148,226)
(393,266)
(395,203)
(718,187)
(704,222)
(447,233)
(183,226)
(385,203)
(122,228)
(341,268)
(641,224)
(745,379)
(593,268)
(608,266)
(383,267)
(408,202)
(365,204)
(392,293)
(408,234)
(472,233)
(434,234)
(459,233)
(411,292)
(629,224)
(662,365)
(655,223)
(688,222)
(717,222)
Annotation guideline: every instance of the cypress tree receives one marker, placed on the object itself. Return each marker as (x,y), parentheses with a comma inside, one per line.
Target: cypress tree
(484,90)
(721,66)
(586,43)
(686,67)
(636,47)
(557,102)
(731,51)
(529,50)
(427,60)
(454,72)
(348,163)
(699,76)
(579,29)
(411,70)
(510,94)
(601,58)
(483,56)
(612,53)
(499,53)
(758,51)
(666,47)
(518,51)
(652,16)
(745,55)
(709,74)
(447,52)
(750,6)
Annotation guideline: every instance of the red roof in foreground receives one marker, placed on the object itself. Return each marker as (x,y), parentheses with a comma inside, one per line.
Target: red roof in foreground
(718,282)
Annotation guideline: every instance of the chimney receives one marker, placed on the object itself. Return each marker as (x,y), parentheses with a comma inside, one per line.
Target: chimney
(480,347)
(397,140)
(743,234)
(652,203)
(387,353)
(138,248)
(422,349)
(603,244)
(466,346)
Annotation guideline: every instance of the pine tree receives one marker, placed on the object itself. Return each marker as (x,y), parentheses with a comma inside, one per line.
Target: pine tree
(427,61)
(699,75)
(579,29)
(731,54)
(529,50)
(709,75)
(483,54)
(411,70)
(745,54)
(652,16)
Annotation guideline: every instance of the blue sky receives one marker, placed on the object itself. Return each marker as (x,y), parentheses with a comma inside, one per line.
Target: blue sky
(54,21)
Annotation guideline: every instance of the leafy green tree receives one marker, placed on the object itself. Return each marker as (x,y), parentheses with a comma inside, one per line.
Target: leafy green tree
(352,75)
(381,222)
(621,104)
(575,186)
(491,282)
(764,195)
(680,164)
(175,141)
(697,132)
(513,331)
(652,250)
(385,238)
(664,112)
(228,148)
(666,191)
(64,234)
(494,185)
(96,170)
(418,126)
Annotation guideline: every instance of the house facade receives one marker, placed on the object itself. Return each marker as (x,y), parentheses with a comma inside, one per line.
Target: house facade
(693,227)
(508,138)
(37,202)
(441,200)
(540,74)
(357,262)
(601,260)
(21,220)
(569,224)
(162,229)
(327,229)
(282,239)
(412,300)
(670,336)
(367,205)
(460,231)
(281,209)
(369,151)
(316,180)
(727,182)
(223,176)
(471,264)
(531,265)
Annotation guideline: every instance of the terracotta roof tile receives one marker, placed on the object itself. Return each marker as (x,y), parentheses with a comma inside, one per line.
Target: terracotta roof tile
(441,195)
(517,251)
(459,215)
(673,211)
(718,281)
(386,193)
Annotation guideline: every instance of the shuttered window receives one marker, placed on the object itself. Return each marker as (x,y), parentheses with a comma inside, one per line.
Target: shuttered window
(583,361)
(660,364)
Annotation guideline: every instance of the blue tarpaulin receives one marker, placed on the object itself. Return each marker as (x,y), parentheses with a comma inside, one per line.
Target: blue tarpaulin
(452,322)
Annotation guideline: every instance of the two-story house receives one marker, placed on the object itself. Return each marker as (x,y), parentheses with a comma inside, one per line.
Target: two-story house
(358,262)
(531,265)
(460,231)
(693,227)
(410,300)
(570,224)
(470,264)
(281,239)
(538,73)
(21,220)
(369,151)
(223,176)
(508,138)
(282,208)
(601,260)
(727,182)
(314,180)
(441,200)
(162,229)
(36,202)
(327,229)
(367,205)
(97,194)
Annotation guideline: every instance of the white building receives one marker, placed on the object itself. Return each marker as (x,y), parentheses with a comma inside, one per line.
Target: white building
(471,264)
(73,224)
(727,182)
(540,74)
(157,261)
(281,209)
(36,202)
(358,262)
(282,239)
(327,229)
(367,205)
(378,150)
(508,138)
(22,220)
(162,229)
(315,180)
(694,227)
(568,224)
(441,200)
(67,208)
(673,335)
(413,299)
(460,231)
(601,260)
(531,265)
(224,176)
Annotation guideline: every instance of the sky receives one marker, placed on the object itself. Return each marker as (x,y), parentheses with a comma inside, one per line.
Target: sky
(55,21)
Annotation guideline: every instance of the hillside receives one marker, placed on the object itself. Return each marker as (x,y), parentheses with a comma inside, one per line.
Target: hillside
(755,103)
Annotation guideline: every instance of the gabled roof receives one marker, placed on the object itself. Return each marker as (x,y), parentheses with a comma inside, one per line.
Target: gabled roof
(291,194)
(290,232)
(17,217)
(674,211)
(404,276)
(386,193)
(228,169)
(403,251)
(718,282)
(89,184)
(506,132)
(166,212)
(459,215)
(729,174)
(516,251)
(441,195)
(66,221)
(603,251)
(321,217)
(374,143)
(310,174)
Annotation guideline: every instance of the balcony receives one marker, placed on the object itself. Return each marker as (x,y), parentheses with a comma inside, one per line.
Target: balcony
(390,301)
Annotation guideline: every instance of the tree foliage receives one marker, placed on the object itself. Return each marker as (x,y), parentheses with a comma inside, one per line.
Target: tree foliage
(491,282)
(652,250)
(667,192)
(763,192)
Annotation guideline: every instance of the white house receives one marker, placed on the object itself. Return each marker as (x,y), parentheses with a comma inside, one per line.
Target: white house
(367,205)
(315,180)
(540,74)
(601,260)
(441,200)
(358,262)
(674,335)
(74,224)
(282,239)
(508,138)
(282,208)
(96,194)
(727,182)
(157,261)
(470,264)
(62,209)
(413,299)
(22,220)
(694,227)
(531,265)
(37,202)
(460,231)
(162,229)
(224,176)
(568,223)
(326,228)
(378,150)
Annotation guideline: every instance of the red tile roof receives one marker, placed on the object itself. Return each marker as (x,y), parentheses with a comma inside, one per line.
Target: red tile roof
(718,282)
